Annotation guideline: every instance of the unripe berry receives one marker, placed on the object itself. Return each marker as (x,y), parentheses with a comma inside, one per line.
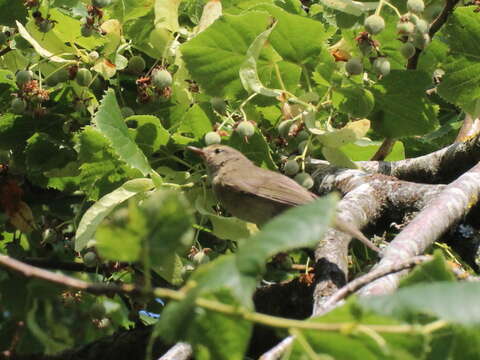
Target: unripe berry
(354,66)
(405,27)
(136,65)
(86,30)
(101,3)
(61,75)
(301,147)
(420,40)
(200,258)
(284,128)
(218,104)
(98,311)
(83,77)
(246,128)
(90,259)
(374,24)
(18,106)
(421,26)
(212,138)
(45,26)
(162,78)
(416,6)
(23,76)
(407,50)
(305,180)
(93,56)
(381,66)
(291,167)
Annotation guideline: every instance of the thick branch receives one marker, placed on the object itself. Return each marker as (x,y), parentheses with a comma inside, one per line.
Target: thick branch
(441,166)
(433,221)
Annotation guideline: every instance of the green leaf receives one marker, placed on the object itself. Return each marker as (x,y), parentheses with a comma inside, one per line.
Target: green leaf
(461,83)
(353,100)
(149,134)
(256,149)
(248,70)
(298,227)
(109,121)
(355,8)
(95,214)
(168,226)
(127,10)
(214,56)
(338,158)
(450,301)
(195,123)
(296,38)
(364,150)
(166,14)
(219,336)
(14,130)
(45,153)
(222,273)
(38,47)
(434,270)
(10,11)
(462,32)
(401,105)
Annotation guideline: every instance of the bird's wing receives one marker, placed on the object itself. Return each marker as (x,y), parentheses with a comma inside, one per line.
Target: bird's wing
(275,187)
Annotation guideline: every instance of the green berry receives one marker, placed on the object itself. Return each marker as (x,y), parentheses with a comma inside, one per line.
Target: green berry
(284,128)
(381,66)
(374,24)
(98,311)
(136,65)
(405,27)
(416,6)
(212,138)
(45,26)
(162,79)
(62,75)
(301,146)
(354,66)
(93,56)
(86,30)
(218,104)
(101,3)
(421,26)
(83,77)
(365,47)
(304,179)
(3,38)
(246,128)
(90,259)
(23,76)
(127,111)
(18,106)
(407,50)
(420,41)
(303,135)
(291,167)
(200,258)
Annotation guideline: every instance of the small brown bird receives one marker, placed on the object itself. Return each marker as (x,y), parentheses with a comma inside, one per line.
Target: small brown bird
(254,194)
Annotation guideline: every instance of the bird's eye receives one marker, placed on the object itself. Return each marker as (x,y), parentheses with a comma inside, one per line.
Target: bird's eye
(218,151)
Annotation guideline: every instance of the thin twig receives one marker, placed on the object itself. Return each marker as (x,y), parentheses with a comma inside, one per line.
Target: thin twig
(361,281)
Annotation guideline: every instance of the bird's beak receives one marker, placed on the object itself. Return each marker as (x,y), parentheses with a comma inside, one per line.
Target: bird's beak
(196,150)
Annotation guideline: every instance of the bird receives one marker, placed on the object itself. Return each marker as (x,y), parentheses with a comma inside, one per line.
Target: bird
(254,194)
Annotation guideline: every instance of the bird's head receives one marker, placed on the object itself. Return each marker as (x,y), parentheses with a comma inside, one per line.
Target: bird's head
(218,156)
